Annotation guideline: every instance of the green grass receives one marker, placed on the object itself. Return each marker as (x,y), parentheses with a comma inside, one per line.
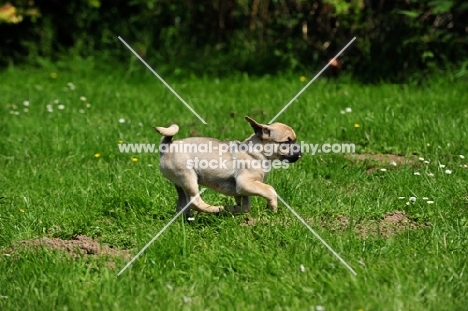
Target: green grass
(52,184)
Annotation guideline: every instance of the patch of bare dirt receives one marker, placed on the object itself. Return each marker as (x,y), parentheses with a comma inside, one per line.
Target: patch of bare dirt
(392,224)
(375,161)
(79,245)
(396,217)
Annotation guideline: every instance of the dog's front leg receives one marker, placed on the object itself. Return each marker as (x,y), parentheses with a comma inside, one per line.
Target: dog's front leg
(249,187)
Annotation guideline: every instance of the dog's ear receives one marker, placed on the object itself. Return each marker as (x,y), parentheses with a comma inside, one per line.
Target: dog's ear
(261,130)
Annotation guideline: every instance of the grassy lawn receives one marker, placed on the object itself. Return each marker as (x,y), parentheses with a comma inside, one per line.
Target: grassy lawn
(62,175)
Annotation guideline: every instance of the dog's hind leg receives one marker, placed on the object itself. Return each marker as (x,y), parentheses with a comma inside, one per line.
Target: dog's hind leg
(182,202)
(199,205)
(190,187)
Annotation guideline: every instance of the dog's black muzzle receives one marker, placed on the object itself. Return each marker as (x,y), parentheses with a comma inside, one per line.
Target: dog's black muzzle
(294,153)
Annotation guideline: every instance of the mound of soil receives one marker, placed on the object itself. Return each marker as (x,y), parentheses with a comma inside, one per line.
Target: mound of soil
(79,245)
(392,224)
(376,161)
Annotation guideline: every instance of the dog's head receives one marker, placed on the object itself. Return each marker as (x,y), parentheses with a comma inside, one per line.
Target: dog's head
(278,140)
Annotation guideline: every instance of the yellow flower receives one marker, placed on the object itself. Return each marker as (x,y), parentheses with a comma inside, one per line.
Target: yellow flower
(134,159)
(53,75)
(21,210)
(97,155)
(120,141)
(303,79)
(357,125)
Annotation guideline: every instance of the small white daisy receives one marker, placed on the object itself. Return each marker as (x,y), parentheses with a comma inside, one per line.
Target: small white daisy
(448,172)
(412,199)
(88,105)
(401,198)
(56,101)
(383,169)
(393,163)
(441,165)
(61,107)
(430,174)
(16,113)
(82,98)
(349,110)
(71,86)
(427,162)
(425,198)
(26,110)
(417,173)
(140,124)
(461,156)
(430,202)
(121,120)
(421,159)
(319,308)
(26,103)
(342,111)
(302,268)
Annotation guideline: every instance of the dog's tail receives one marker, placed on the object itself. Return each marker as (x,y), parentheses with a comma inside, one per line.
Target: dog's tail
(167,133)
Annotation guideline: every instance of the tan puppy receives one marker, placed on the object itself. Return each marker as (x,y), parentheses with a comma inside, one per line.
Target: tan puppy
(234,168)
